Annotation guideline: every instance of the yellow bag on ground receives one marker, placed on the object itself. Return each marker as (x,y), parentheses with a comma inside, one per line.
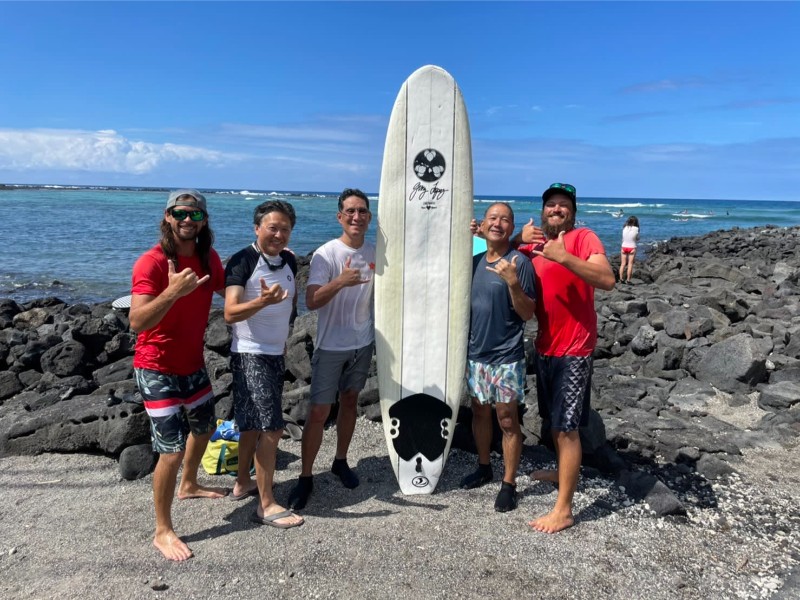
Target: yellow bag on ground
(221,456)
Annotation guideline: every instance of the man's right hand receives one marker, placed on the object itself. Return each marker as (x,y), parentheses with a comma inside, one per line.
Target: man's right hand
(349,276)
(475,228)
(272,294)
(531,234)
(183,283)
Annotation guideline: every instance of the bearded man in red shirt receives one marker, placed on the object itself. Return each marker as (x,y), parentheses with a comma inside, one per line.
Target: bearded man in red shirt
(568,263)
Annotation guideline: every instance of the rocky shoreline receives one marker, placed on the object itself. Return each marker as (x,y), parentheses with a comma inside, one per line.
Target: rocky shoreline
(696,360)
(697,365)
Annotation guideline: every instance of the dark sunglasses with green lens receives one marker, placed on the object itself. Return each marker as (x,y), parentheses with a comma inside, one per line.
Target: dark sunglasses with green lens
(563,186)
(180,215)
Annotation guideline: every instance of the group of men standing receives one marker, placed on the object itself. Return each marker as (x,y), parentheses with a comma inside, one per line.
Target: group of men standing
(549,271)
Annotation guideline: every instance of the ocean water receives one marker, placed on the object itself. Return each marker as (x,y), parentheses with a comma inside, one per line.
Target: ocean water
(79,244)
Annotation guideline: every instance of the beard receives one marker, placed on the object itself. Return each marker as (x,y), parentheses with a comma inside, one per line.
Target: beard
(185,234)
(551,231)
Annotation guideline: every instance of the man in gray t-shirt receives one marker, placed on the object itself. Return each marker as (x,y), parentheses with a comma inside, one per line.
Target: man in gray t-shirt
(503,298)
(340,289)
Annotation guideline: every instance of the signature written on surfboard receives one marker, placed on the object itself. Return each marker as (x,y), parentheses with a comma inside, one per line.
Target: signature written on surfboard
(428,197)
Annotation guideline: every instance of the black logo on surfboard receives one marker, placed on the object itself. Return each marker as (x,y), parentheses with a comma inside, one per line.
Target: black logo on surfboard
(429,165)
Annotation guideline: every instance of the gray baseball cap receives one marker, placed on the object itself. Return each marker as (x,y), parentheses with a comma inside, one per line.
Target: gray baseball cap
(196,199)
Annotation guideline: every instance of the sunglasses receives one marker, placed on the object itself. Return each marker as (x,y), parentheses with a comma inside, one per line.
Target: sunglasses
(351,211)
(563,186)
(272,267)
(180,215)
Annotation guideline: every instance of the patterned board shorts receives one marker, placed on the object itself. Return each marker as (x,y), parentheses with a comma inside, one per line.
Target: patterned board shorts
(257,391)
(491,384)
(176,405)
(564,386)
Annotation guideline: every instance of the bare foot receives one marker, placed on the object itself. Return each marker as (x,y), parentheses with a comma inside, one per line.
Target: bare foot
(545,475)
(199,491)
(291,521)
(552,522)
(171,546)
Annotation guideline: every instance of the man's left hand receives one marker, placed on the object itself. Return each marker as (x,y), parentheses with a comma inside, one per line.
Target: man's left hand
(554,250)
(506,270)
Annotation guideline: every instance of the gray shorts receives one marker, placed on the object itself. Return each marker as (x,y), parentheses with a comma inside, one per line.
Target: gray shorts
(257,391)
(333,371)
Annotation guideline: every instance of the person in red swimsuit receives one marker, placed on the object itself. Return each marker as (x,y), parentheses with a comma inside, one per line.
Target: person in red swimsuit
(630,235)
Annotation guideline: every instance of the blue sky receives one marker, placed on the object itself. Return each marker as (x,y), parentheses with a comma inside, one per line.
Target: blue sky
(622,99)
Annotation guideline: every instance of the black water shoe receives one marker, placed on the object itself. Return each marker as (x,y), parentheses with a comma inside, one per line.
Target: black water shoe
(298,498)
(481,476)
(345,473)
(506,498)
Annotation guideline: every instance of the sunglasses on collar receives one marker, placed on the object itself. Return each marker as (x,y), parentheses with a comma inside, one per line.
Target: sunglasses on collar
(271,266)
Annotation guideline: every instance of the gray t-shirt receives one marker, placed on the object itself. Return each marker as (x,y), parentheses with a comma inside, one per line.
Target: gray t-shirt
(495,331)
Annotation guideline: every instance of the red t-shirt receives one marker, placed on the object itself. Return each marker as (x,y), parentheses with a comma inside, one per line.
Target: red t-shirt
(175,345)
(565,305)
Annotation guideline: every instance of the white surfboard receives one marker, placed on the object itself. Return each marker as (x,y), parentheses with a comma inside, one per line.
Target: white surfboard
(122,303)
(423,275)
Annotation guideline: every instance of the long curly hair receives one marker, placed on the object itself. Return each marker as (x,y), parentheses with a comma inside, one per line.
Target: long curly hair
(204,241)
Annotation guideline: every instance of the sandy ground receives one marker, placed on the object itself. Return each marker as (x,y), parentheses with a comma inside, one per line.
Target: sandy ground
(71,528)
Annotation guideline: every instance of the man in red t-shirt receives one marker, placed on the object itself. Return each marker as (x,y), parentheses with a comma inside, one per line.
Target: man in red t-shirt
(171,289)
(569,264)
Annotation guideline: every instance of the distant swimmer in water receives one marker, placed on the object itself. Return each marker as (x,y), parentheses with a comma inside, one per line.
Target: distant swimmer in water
(630,235)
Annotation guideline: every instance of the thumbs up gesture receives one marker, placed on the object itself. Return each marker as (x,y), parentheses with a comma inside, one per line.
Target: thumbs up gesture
(554,250)
(531,234)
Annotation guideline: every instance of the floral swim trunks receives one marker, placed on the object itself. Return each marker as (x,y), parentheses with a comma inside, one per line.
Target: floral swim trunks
(490,384)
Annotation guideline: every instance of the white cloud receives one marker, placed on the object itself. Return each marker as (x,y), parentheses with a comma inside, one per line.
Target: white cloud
(663,85)
(295,133)
(508,109)
(101,151)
